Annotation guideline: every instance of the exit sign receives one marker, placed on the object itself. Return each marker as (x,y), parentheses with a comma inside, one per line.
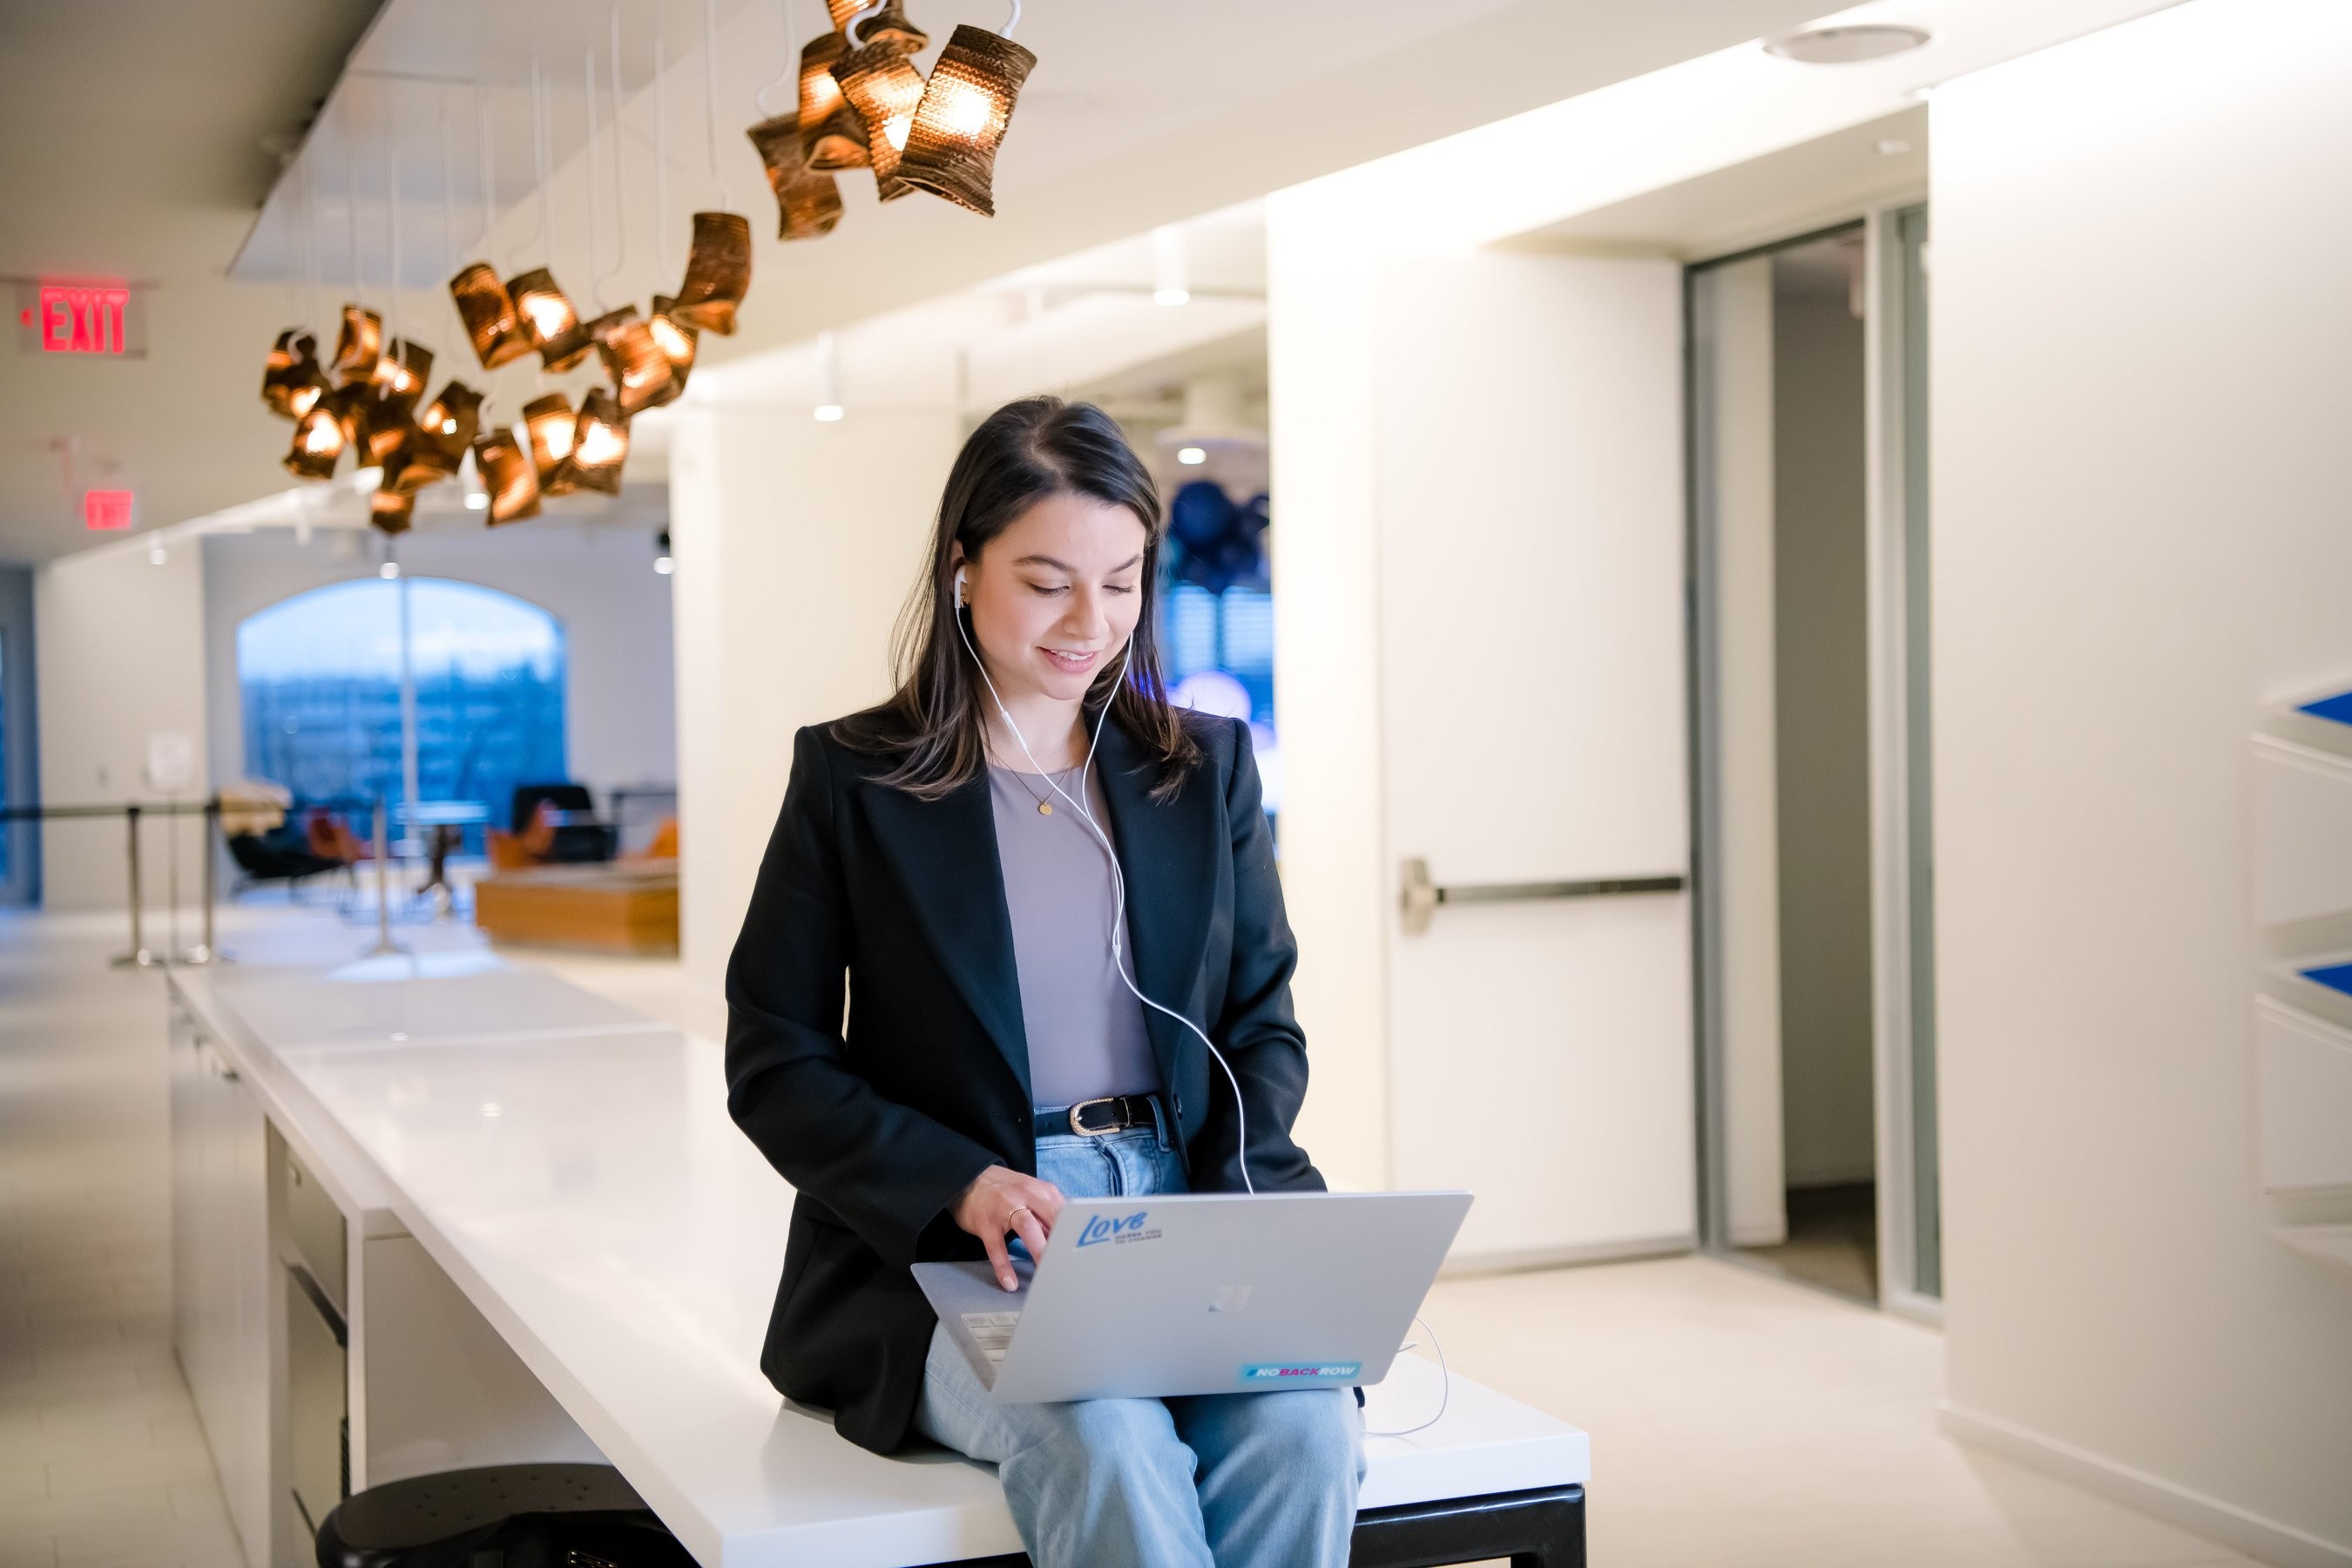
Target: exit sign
(88,318)
(105,510)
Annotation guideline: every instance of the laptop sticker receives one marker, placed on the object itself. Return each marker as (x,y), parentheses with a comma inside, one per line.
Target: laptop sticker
(1103,1228)
(1269,1374)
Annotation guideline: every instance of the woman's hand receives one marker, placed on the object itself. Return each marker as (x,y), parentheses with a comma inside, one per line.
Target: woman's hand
(1001,1200)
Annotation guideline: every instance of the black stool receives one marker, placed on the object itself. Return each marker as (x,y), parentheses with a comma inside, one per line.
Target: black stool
(507,1516)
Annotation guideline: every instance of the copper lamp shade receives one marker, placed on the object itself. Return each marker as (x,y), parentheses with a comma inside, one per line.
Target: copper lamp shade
(831,132)
(891,27)
(718,273)
(358,344)
(431,450)
(488,313)
(318,442)
(401,373)
(642,377)
(549,319)
(677,340)
(291,380)
(509,475)
(884,87)
(550,424)
(952,148)
(808,203)
(599,446)
(391,511)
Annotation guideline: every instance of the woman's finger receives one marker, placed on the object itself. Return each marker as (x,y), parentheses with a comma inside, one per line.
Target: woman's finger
(1032,1232)
(1046,1204)
(1000,1261)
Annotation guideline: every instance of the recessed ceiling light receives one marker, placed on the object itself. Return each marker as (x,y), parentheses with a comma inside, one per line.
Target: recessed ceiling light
(388,571)
(1894,146)
(1846,46)
(827,412)
(1171,297)
(1191,457)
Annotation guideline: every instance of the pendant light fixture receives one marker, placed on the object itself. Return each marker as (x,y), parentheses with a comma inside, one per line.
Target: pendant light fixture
(434,447)
(508,475)
(883,86)
(290,379)
(319,442)
(718,273)
(489,311)
(831,132)
(549,425)
(550,321)
(950,150)
(391,511)
(401,373)
(642,377)
(357,345)
(600,445)
(677,340)
(890,25)
(808,203)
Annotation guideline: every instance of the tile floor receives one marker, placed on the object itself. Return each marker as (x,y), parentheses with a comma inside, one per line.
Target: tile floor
(1740,1421)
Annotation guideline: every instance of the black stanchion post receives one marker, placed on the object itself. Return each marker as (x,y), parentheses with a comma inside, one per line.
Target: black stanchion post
(205,951)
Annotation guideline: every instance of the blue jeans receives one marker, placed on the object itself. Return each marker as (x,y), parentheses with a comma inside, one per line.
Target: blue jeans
(1226,1480)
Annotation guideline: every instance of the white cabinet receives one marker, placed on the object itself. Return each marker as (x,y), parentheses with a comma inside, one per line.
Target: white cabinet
(222,1308)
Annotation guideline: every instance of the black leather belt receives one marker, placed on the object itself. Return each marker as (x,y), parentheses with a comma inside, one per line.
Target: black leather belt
(1093,1117)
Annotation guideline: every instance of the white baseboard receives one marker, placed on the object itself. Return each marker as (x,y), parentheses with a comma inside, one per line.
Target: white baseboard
(1564,1257)
(2227,1523)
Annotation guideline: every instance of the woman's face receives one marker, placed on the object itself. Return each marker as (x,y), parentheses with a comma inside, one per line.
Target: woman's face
(1056,595)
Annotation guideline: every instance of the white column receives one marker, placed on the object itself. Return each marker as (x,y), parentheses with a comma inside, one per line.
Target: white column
(796,543)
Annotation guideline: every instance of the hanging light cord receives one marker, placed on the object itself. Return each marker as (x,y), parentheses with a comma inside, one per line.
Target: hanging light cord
(1012,21)
(596,273)
(858,19)
(393,203)
(791,73)
(620,175)
(661,149)
(710,98)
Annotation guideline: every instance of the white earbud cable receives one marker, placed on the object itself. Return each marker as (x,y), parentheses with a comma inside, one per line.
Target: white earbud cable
(1118,877)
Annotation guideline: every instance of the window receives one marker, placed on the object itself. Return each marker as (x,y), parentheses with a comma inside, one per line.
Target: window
(321,676)
(1217,617)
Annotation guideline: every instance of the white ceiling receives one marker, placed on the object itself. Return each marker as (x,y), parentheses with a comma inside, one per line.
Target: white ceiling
(135,129)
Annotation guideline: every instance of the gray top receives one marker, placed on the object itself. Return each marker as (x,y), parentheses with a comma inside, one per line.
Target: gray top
(1085,1028)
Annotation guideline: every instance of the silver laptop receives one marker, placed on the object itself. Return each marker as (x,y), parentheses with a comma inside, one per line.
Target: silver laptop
(1201,1293)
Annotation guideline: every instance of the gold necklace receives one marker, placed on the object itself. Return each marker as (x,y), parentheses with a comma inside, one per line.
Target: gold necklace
(1044,805)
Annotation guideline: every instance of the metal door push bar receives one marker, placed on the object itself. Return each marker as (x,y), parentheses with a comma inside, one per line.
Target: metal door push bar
(1420,896)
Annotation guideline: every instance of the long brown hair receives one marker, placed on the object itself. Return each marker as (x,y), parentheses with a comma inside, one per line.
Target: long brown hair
(1025,452)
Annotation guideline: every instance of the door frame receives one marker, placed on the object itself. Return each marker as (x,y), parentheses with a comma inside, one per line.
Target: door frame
(1895,493)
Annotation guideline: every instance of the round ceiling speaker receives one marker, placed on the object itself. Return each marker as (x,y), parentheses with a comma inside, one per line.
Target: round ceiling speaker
(1846,46)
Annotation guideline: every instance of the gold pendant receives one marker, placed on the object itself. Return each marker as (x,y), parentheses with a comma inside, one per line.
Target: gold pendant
(1044,808)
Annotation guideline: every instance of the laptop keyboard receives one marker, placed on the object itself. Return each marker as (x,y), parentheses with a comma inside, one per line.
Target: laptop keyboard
(992,1333)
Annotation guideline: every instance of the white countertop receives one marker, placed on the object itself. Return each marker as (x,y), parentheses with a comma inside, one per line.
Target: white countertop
(571,1166)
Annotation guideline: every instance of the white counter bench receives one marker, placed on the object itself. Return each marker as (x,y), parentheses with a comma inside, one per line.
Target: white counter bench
(570,1168)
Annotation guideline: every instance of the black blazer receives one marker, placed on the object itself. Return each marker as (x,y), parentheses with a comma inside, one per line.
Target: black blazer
(880,1122)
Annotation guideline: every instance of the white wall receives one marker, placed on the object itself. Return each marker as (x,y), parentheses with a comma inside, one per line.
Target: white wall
(796,545)
(1823,741)
(119,660)
(2141,535)
(599,583)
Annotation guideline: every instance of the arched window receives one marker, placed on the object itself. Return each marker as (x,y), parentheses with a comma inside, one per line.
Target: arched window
(321,676)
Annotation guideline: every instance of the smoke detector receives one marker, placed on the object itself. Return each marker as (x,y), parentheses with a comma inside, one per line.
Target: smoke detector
(1846,45)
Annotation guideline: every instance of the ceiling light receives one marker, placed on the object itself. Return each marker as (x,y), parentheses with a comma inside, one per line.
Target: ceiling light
(665,565)
(1847,44)
(475,501)
(600,445)
(960,124)
(808,203)
(509,475)
(489,311)
(388,571)
(718,273)
(884,90)
(642,378)
(392,511)
(887,26)
(828,379)
(155,555)
(831,133)
(549,319)
(549,423)
(357,344)
(827,412)
(290,379)
(662,562)
(401,373)
(318,442)
(1191,457)
(433,448)
(1894,146)
(1169,285)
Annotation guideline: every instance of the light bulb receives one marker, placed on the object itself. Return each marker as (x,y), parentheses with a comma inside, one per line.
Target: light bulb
(1191,457)
(663,564)
(388,571)
(826,413)
(155,556)
(477,500)
(601,445)
(1171,297)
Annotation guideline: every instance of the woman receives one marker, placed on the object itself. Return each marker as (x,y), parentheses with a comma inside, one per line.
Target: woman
(994,1058)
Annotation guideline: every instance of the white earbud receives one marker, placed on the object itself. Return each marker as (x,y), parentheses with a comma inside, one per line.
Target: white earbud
(959,592)
(1118,875)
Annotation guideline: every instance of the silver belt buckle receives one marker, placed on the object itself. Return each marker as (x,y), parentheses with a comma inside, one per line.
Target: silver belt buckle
(1085,1131)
